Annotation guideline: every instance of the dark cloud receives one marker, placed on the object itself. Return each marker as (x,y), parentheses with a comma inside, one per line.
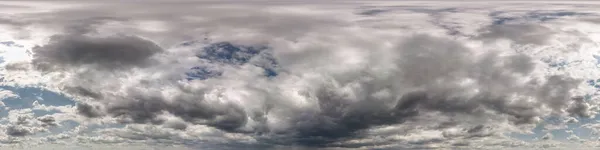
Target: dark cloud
(22,127)
(83,92)
(555,93)
(22,120)
(113,52)
(188,106)
(47,120)
(580,108)
(18,131)
(479,131)
(340,119)
(88,110)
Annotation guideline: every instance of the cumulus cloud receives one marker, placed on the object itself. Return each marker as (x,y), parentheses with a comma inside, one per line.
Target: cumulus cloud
(17,131)
(22,123)
(47,120)
(7,94)
(88,110)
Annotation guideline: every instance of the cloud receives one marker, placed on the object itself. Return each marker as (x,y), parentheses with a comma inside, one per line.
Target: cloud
(428,75)
(22,123)
(47,120)
(244,77)
(4,94)
(7,94)
(88,110)
(518,33)
(18,131)
(547,136)
(104,52)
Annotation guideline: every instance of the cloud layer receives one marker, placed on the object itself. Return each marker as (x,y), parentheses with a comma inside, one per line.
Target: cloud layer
(334,74)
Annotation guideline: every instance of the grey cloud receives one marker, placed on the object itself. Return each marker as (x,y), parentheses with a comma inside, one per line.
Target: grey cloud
(555,92)
(18,131)
(86,25)
(340,119)
(12,21)
(106,52)
(373,12)
(23,127)
(185,20)
(434,66)
(179,125)
(428,81)
(518,33)
(188,106)
(22,120)
(547,136)
(480,131)
(426,64)
(88,110)
(83,92)
(21,66)
(47,120)
(580,108)
(470,133)
(521,64)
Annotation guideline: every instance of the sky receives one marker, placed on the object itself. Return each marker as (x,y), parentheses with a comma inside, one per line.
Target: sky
(331,74)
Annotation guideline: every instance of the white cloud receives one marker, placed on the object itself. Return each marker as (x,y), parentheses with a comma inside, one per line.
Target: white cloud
(7,94)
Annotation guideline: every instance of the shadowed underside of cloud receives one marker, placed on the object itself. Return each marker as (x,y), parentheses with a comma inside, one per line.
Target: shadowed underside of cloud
(104,52)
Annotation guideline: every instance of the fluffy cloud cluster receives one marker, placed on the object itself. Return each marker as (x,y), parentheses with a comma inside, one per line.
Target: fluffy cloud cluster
(297,79)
